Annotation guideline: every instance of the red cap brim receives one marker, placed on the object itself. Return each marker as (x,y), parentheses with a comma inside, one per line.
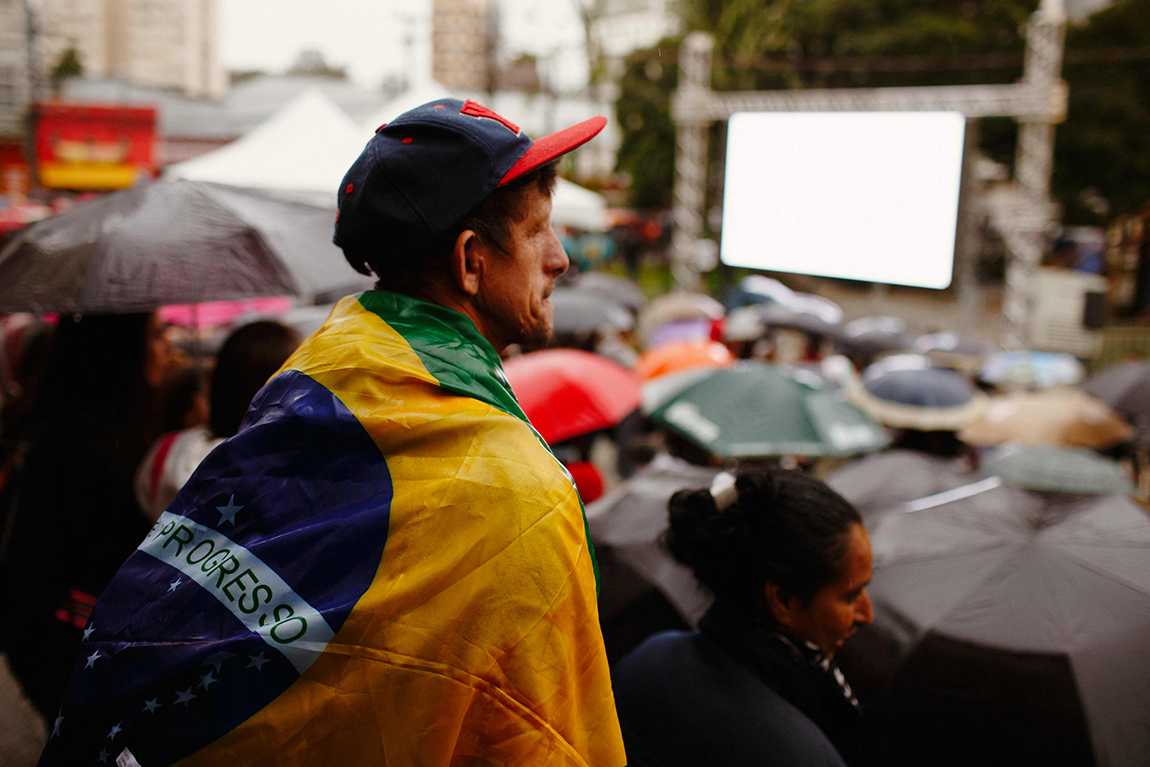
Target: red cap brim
(549,147)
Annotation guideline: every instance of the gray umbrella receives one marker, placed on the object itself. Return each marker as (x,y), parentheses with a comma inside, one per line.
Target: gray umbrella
(1057,469)
(1017,628)
(579,312)
(871,336)
(174,242)
(612,287)
(881,482)
(1124,387)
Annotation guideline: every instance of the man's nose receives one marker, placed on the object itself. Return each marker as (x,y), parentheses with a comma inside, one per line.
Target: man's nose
(557,258)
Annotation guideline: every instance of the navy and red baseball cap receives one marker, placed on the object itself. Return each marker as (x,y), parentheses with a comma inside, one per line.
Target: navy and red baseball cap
(422,173)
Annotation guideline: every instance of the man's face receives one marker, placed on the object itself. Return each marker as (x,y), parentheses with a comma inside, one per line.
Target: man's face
(514,296)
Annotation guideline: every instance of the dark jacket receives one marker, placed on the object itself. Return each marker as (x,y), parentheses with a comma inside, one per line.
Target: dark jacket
(731,694)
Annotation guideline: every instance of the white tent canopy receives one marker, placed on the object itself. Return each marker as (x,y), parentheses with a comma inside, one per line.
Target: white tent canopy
(572,205)
(305,148)
(417,95)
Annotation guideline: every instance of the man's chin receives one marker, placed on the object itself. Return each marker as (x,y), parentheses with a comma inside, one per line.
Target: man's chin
(537,336)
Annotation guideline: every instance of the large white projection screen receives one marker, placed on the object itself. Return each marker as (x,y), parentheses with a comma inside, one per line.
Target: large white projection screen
(860,195)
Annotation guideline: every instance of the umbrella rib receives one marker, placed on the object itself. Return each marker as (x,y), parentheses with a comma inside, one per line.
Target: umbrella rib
(1087,565)
(949,496)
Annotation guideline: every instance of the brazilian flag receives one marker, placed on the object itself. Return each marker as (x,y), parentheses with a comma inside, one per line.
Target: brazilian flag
(385,566)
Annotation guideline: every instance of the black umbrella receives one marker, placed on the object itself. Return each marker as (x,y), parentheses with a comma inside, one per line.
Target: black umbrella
(881,482)
(579,312)
(905,391)
(871,336)
(1010,628)
(1124,387)
(626,526)
(174,242)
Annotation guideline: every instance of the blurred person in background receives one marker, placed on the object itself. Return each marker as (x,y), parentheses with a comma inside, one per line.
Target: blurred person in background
(788,561)
(248,358)
(75,518)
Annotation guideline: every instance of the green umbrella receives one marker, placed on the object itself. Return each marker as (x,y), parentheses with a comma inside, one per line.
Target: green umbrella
(1061,469)
(753,410)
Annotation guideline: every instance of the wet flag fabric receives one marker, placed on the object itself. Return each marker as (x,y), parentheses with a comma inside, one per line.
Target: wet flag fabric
(384,566)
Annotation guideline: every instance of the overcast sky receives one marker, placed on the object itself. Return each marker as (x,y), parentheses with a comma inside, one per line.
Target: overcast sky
(367,36)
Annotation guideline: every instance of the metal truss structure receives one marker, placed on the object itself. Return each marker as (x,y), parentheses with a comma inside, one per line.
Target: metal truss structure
(1038,101)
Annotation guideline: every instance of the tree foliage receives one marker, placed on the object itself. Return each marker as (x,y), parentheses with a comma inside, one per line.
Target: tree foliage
(1102,151)
(647,152)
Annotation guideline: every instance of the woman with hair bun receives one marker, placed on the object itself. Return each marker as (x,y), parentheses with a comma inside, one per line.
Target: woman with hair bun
(788,561)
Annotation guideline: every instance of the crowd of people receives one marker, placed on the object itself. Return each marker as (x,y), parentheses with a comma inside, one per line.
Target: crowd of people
(369,513)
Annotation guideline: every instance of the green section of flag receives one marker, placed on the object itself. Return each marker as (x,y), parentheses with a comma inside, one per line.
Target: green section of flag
(462,360)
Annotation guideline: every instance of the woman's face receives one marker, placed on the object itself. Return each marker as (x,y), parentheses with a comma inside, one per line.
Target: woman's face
(157,351)
(836,610)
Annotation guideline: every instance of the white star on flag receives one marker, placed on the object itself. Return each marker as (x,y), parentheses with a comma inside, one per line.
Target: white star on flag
(116,730)
(175,584)
(56,726)
(228,513)
(88,632)
(257,661)
(151,705)
(92,659)
(104,756)
(217,660)
(207,680)
(185,696)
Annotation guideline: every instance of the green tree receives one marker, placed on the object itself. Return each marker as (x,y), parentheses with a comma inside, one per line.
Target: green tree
(1102,151)
(68,65)
(647,151)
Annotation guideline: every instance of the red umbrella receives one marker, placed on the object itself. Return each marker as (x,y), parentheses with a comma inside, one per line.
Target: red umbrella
(567,392)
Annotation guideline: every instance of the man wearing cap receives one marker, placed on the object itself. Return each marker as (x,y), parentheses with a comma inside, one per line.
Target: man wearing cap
(386,565)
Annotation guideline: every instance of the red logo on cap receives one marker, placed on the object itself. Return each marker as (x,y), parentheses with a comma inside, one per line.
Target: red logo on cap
(478,110)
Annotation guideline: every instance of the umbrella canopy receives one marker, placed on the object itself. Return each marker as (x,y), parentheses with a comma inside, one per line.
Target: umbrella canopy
(823,308)
(173,242)
(677,357)
(618,289)
(1059,469)
(757,289)
(754,410)
(577,311)
(870,336)
(1125,387)
(677,306)
(567,393)
(1054,417)
(1032,370)
(784,316)
(952,343)
(628,523)
(878,483)
(906,392)
(1020,630)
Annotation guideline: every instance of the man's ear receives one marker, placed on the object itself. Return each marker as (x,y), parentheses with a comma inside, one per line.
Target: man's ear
(781,606)
(467,262)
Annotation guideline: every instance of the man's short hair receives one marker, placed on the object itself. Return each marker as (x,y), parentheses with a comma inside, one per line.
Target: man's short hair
(491,221)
